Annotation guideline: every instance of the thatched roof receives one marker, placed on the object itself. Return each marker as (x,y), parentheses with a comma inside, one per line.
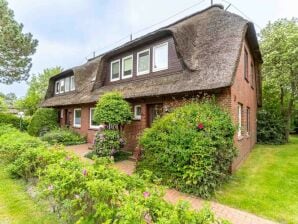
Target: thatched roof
(208,43)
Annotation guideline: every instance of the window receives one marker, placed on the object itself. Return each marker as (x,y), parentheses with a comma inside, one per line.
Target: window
(57,87)
(77,118)
(239,120)
(252,75)
(245,64)
(143,62)
(67,84)
(127,64)
(137,112)
(93,124)
(160,57)
(248,120)
(115,70)
(62,87)
(72,83)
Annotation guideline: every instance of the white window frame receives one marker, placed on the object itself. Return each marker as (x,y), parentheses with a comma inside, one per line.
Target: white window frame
(74,117)
(67,78)
(72,83)
(111,70)
(153,59)
(136,116)
(147,71)
(90,119)
(240,108)
(122,72)
(57,90)
(62,80)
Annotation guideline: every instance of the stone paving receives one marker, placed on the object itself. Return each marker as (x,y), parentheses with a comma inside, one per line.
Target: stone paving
(173,196)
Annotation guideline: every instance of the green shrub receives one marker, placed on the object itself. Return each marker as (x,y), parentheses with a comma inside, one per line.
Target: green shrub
(112,109)
(63,136)
(14,142)
(6,128)
(194,147)
(32,160)
(106,143)
(271,127)
(14,121)
(43,120)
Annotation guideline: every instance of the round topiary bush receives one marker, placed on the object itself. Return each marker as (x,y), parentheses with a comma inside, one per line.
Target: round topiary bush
(43,120)
(112,109)
(191,148)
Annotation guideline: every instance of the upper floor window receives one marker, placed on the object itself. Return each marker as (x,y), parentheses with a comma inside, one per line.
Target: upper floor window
(72,83)
(245,64)
(67,84)
(252,74)
(57,87)
(143,62)
(160,57)
(115,70)
(64,85)
(127,64)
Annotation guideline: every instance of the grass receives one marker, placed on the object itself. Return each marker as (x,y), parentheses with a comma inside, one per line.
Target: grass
(267,183)
(16,206)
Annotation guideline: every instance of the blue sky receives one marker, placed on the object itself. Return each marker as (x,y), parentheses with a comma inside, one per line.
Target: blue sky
(70,30)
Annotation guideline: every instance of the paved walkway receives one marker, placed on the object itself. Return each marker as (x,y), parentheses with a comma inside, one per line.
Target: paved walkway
(173,196)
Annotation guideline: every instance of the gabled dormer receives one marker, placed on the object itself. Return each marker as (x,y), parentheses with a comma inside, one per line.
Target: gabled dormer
(158,57)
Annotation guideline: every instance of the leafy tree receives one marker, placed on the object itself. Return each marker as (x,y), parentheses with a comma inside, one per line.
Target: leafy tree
(3,105)
(279,45)
(9,98)
(37,90)
(16,47)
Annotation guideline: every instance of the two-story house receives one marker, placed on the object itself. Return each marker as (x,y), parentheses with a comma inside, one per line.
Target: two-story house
(211,52)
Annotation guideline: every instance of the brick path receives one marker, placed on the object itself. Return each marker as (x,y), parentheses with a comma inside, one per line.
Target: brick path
(173,196)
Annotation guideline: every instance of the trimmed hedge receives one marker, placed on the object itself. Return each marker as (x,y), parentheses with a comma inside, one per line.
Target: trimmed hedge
(43,120)
(271,128)
(14,121)
(191,148)
(63,136)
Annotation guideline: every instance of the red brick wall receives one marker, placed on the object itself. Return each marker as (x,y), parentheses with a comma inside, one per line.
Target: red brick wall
(243,92)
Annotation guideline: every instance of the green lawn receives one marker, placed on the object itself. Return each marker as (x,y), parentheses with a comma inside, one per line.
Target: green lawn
(16,207)
(267,183)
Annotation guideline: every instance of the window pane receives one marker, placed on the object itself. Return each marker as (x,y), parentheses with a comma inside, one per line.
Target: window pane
(143,62)
(138,110)
(115,70)
(62,86)
(67,84)
(77,117)
(161,57)
(127,66)
(57,86)
(72,83)
(93,122)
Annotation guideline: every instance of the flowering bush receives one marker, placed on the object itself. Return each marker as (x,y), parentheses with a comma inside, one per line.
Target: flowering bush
(107,142)
(194,147)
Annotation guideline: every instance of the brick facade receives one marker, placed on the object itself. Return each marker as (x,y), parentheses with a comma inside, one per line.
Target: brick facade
(242,91)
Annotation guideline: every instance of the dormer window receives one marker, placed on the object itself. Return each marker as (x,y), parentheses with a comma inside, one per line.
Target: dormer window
(57,87)
(64,85)
(127,64)
(160,57)
(143,62)
(115,70)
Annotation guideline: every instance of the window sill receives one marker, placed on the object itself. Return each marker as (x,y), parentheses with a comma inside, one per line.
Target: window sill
(240,138)
(78,127)
(93,129)
(136,119)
